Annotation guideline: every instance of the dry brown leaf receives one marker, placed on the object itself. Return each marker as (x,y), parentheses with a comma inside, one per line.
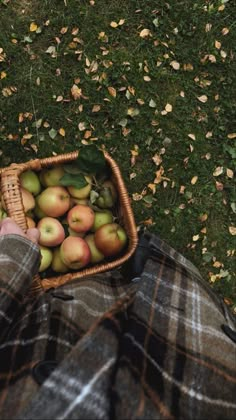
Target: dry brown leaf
(231,136)
(145,33)
(96,108)
(229,173)
(202,98)
(112,91)
(203,218)
(33,27)
(76,92)
(114,24)
(194,180)
(175,65)
(218,171)
(232,230)
(192,136)
(87,134)
(157,159)
(218,44)
(62,132)
(219,186)
(168,108)
(225,31)
(82,126)
(147,78)
(195,238)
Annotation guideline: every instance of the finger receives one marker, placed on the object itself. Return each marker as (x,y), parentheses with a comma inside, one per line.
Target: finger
(33,234)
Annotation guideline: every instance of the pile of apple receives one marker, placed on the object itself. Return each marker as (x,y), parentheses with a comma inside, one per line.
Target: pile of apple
(78,226)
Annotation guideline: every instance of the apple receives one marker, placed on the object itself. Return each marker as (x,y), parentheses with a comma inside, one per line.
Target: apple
(96,255)
(72,232)
(51,231)
(51,177)
(101,218)
(54,201)
(46,258)
(80,218)
(83,192)
(30,181)
(75,201)
(109,184)
(30,222)
(110,239)
(57,265)
(37,210)
(75,252)
(27,199)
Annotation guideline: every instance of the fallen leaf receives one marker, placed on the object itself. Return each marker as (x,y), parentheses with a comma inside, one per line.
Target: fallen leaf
(112,91)
(114,24)
(218,171)
(33,27)
(218,44)
(82,126)
(52,133)
(96,108)
(229,173)
(225,31)
(152,103)
(195,238)
(175,65)
(62,132)
(232,230)
(87,134)
(76,92)
(133,112)
(168,108)
(194,180)
(145,33)
(231,135)
(192,136)
(202,98)
(219,186)
(203,217)
(157,159)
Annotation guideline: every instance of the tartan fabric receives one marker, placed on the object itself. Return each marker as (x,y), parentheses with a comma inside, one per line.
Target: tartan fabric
(149,349)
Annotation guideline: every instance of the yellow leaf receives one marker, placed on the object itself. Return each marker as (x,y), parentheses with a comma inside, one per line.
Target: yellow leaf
(121,22)
(62,132)
(194,180)
(112,91)
(33,27)
(229,173)
(113,24)
(202,98)
(225,31)
(192,136)
(96,108)
(3,74)
(157,159)
(82,126)
(218,44)
(147,78)
(175,65)
(64,30)
(145,33)
(87,134)
(76,92)
(218,171)
(231,136)
(195,238)
(168,108)
(232,230)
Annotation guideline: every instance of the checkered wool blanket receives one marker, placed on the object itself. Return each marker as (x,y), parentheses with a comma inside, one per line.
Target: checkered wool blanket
(153,348)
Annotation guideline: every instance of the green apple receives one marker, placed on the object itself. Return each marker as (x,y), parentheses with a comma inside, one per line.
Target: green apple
(81,193)
(101,218)
(30,181)
(54,201)
(46,258)
(51,177)
(110,239)
(96,255)
(57,264)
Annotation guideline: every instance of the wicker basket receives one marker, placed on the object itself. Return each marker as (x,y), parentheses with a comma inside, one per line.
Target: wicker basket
(10,189)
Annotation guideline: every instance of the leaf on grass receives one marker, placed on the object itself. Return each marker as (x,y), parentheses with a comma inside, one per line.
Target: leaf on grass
(157,159)
(133,112)
(194,180)
(96,108)
(231,135)
(225,31)
(114,24)
(76,92)
(175,65)
(145,33)
(147,78)
(217,44)
(218,171)
(168,108)
(152,103)
(192,136)
(62,132)
(195,238)
(52,133)
(112,91)
(203,98)
(232,230)
(33,27)
(229,173)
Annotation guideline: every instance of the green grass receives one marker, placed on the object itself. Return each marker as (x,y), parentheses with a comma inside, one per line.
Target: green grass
(193,139)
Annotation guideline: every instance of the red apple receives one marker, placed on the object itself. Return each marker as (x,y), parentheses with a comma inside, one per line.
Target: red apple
(46,258)
(51,232)
(110,239)
(80,218)
(75,252)
(54,201)
(96,255)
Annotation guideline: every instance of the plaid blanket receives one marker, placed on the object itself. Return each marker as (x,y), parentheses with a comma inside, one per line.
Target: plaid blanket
(153,348)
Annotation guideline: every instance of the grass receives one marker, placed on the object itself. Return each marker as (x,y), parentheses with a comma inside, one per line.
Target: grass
(183,63)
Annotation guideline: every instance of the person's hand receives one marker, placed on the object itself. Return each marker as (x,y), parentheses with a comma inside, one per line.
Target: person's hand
(8,226)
